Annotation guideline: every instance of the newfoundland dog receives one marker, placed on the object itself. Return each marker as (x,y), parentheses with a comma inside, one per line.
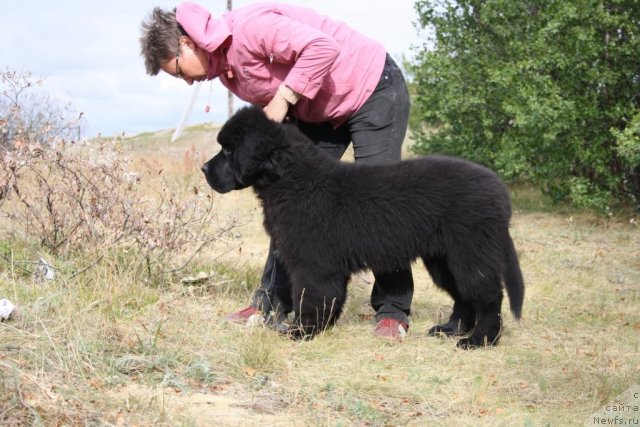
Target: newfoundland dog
(329,219)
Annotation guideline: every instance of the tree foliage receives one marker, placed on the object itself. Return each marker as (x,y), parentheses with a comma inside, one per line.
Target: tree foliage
(544,90)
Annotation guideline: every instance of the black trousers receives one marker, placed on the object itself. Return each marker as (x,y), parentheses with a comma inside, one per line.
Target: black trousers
(377,131)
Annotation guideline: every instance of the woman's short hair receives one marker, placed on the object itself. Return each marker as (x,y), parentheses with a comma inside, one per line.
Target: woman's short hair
(160,38)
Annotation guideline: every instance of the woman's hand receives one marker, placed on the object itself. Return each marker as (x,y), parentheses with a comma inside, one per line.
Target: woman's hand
(277,109)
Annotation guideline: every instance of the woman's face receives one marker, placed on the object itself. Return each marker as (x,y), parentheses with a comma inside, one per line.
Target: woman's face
(191,64)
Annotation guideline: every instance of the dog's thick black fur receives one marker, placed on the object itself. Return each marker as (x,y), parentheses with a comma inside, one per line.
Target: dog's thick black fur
(329,219)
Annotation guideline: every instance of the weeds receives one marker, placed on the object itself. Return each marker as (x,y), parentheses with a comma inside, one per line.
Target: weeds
(87,198)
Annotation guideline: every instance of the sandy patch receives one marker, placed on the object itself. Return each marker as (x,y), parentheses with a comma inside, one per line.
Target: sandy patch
(227,408)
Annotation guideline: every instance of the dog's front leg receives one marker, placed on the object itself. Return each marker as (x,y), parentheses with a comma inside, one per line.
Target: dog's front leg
(317,305)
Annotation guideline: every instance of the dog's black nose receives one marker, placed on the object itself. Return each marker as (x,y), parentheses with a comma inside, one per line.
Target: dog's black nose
(205,168)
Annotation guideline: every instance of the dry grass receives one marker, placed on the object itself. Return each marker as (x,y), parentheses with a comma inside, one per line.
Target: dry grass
(106,348)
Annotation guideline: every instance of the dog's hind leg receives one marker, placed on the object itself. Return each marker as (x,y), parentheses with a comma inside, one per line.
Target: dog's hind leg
(486,295)
(317,305)
(463,317)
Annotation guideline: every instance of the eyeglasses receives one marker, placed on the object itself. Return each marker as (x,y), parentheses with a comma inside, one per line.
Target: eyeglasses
(178,72)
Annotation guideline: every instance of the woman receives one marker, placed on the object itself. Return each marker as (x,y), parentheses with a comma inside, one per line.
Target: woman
(340,86)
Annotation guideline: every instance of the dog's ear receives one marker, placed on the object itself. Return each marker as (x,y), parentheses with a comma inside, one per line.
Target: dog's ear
(272,168)
(263,148)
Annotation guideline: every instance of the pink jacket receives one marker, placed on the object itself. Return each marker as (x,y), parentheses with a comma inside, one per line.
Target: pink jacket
(332,66)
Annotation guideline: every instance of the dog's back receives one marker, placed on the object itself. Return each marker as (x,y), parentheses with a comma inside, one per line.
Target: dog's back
(424,189)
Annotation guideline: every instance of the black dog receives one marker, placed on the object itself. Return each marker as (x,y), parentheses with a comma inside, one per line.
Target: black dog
(329,219)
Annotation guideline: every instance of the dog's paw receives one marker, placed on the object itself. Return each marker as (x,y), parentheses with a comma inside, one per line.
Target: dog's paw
(441,331)
(277,322)
(449,329)
(466,344)
(476,342)
(298,333)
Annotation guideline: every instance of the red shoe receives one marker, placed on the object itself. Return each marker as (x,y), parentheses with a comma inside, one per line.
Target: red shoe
(391,329)
(243,315)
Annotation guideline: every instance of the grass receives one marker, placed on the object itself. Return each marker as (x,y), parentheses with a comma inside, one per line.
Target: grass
(106,347)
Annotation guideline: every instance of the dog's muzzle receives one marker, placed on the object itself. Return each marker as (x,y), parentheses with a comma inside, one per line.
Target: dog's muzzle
(220,176)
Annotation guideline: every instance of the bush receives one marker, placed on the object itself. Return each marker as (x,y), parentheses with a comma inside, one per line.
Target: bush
(70,197)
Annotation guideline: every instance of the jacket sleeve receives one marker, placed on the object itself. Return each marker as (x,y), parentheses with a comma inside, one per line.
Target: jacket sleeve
(309,51)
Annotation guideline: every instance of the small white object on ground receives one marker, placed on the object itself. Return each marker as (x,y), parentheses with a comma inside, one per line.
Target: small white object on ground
(6,309)
(44,270)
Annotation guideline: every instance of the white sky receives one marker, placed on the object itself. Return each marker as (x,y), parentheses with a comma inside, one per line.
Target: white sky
(88,54)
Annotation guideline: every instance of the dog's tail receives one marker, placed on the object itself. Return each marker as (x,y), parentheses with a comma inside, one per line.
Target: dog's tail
(513,279)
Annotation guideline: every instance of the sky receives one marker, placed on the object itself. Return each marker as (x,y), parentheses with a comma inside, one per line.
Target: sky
(87,53)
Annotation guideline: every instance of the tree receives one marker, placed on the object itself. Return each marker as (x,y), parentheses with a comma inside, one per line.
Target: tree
(543,90)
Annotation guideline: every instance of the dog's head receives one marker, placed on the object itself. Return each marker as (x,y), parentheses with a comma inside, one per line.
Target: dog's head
(250,143)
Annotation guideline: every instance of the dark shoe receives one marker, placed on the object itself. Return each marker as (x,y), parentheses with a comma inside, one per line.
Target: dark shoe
(243,315)
(391,329)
